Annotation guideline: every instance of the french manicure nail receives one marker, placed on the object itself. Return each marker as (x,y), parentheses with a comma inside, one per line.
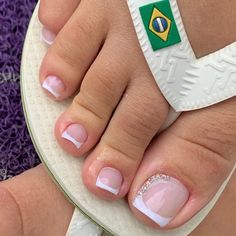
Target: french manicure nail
(161,198)
(54,86)
(76,134)
(48,36)
(110,179)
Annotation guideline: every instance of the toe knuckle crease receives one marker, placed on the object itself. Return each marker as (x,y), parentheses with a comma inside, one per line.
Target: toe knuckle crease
(64,51)
(213,160)
(105,84)
(130,156)
(84,28)
(143,122)
(89,108)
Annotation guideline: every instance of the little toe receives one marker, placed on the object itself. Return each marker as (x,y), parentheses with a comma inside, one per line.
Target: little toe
(54,15)
(185,166)
(72,52)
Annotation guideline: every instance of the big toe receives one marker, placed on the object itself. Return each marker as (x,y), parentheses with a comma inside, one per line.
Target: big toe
(185,166)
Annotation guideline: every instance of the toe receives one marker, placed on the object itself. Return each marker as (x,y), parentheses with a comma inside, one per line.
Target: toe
(184,167)
(109,170)
(53,15)
(80,127)
(72,52)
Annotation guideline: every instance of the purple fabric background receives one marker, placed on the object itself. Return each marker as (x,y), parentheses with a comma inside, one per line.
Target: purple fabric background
(17,153)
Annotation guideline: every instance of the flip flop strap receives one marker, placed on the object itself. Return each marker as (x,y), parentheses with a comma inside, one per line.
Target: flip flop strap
(80,225)
(187,83)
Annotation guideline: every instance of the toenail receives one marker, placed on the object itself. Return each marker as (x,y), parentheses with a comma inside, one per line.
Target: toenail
(48,36)
(110,179)
(54,86)
(161,198)
(76,134)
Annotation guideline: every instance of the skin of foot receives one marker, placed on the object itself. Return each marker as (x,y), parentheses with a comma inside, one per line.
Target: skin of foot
(118,109)
(32,205)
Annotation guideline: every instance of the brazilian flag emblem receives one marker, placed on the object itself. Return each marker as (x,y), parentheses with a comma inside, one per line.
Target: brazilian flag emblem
(160,24)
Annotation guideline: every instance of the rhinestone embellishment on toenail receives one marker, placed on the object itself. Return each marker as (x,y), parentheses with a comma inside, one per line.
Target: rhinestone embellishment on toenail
(151,180)
(161,198)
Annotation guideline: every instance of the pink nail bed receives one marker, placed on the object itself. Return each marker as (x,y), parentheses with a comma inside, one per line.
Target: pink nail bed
(48,36)
(76,134)
(54,86)
(161,198)
(110,179)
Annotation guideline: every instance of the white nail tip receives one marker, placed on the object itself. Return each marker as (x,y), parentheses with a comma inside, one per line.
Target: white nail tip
(65,135)
(107,188)
(49,89)
(46,40)
(140,205)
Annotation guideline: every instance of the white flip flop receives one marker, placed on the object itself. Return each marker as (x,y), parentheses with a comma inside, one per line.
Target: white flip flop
(41,114)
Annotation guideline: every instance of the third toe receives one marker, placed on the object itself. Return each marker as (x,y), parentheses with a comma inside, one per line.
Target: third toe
(110,168)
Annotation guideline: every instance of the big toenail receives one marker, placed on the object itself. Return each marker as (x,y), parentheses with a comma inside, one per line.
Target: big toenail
(161,198)
(48,36)
(110,179)
(76,134)
(54,86)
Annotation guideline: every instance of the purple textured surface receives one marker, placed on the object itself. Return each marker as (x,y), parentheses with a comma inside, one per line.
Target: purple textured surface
(17,153)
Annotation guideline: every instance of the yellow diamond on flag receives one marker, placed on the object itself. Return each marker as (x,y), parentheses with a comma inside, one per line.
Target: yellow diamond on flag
(160,24)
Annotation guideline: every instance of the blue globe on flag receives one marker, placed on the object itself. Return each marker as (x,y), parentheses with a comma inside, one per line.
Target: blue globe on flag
(160,24)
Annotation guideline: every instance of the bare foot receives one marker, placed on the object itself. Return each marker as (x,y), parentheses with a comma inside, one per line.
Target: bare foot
(118,108)
(32,205)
